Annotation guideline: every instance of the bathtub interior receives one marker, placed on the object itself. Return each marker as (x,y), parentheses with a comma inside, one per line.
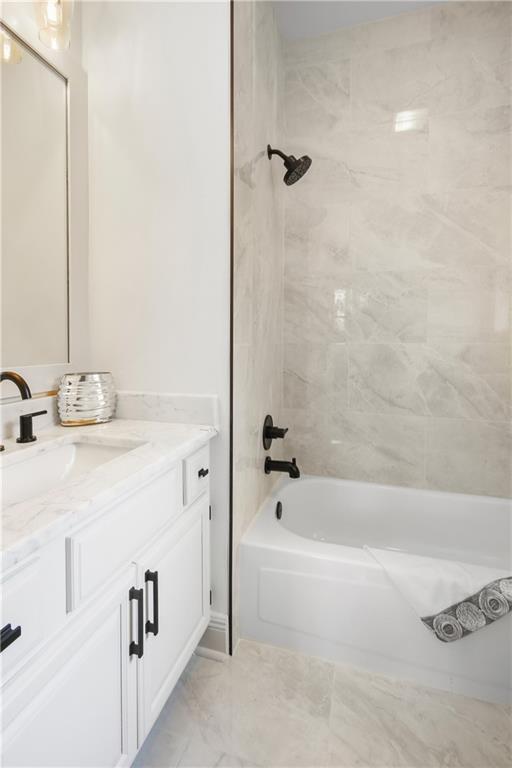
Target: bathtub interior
(434,524)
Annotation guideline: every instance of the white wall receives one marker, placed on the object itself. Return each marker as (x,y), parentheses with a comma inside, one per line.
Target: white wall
(159,209)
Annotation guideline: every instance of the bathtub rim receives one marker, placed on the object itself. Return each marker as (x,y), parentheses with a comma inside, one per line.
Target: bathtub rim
(267,532)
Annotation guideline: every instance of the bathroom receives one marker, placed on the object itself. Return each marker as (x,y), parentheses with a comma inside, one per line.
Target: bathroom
(259,512)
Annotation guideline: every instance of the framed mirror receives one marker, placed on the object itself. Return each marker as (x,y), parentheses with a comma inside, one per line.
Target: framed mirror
(34,208)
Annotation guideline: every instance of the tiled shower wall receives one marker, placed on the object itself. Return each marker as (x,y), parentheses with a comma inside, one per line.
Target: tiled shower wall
(258,257)
(397,251)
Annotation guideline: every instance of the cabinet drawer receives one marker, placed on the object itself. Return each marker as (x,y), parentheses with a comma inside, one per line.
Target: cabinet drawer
(196,474)
(33,604)
(100,549)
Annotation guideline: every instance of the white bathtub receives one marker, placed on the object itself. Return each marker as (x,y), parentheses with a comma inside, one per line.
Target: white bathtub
(307,584)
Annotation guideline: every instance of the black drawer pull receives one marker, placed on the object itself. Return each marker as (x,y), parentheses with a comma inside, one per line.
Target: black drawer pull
(137,648)
(152,626)
(8,635)
(203,472)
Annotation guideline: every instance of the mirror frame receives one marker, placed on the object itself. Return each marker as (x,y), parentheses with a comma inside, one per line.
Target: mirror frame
(19,19)
(45,63)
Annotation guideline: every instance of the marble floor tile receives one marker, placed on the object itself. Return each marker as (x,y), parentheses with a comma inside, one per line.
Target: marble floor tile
(378,721)
(272,707)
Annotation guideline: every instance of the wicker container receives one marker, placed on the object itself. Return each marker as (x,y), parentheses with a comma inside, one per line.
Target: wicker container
(86,398)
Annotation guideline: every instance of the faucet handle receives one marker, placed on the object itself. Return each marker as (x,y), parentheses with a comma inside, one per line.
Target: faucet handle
(270,432)
(26,427)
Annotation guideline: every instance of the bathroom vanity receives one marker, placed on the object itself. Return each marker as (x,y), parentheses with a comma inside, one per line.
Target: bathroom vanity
(105,586)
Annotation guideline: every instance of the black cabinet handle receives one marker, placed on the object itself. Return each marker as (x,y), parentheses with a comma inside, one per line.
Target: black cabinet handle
(152,626)
(137,648)
(203,472)
(8,635)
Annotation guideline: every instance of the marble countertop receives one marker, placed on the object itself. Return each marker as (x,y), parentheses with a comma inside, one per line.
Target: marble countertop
(154,447)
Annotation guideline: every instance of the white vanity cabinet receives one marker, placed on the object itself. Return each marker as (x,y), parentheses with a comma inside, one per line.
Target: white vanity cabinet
(177,585)
(89,694)
(72,706)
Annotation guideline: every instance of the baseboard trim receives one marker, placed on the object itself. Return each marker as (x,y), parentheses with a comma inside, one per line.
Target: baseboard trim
(215,641)
(207,653)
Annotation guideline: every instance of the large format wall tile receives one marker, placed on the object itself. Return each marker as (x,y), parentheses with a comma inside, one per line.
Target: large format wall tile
(397,250)
(315,376)
(376,448)
(459,20)
(445,380)
(470,456)
(467,149)
(318,99)
(387,306)
(258,258)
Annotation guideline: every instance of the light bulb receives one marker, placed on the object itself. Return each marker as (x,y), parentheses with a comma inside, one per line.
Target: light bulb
(54,20)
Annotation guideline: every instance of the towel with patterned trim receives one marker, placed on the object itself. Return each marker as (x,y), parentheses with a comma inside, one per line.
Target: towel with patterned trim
(453,599)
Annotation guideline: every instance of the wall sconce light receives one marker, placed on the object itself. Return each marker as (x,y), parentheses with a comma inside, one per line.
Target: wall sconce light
(54,21)
(10,51)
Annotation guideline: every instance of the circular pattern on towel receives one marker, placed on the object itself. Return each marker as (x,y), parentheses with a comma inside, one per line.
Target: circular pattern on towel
(447,628)
(470,616)
(506,588)
(493,604)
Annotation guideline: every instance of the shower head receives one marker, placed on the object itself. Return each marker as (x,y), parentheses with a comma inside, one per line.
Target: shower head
(295,169)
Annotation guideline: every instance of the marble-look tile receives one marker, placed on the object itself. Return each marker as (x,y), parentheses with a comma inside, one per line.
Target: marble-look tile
(358,446)
(469,381)
(394,32)
(281,708)
(380,158)
(470,76)
(399,229)
(470,19)
(445,380)
(266,705)
(378,721)
(469,456)
(331,48)
(317,99)
(383,378)
(398,245)
(392,81)
(490,362)
(374,448)
(258,256)
(315,376)
(306,439)
(469,307)
(482,136)
(330,181)
(387,306)
(315,311)
(438,77)
(316,243)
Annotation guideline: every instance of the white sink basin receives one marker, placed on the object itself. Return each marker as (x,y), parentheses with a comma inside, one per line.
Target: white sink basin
(41,472)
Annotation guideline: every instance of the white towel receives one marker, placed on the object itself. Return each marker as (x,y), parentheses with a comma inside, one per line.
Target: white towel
(451,598)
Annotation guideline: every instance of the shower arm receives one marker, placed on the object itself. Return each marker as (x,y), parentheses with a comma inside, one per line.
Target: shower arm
(271,152)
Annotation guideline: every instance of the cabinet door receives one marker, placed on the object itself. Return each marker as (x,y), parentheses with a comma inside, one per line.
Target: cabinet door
(75,708)
(181,561)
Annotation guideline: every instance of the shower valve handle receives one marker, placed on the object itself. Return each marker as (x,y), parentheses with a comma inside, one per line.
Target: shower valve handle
(276,432)
(270,432)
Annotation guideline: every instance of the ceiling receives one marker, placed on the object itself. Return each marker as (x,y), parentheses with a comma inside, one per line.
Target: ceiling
(310,18)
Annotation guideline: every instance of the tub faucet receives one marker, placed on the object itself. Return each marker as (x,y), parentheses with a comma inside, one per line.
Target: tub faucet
(282,466)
